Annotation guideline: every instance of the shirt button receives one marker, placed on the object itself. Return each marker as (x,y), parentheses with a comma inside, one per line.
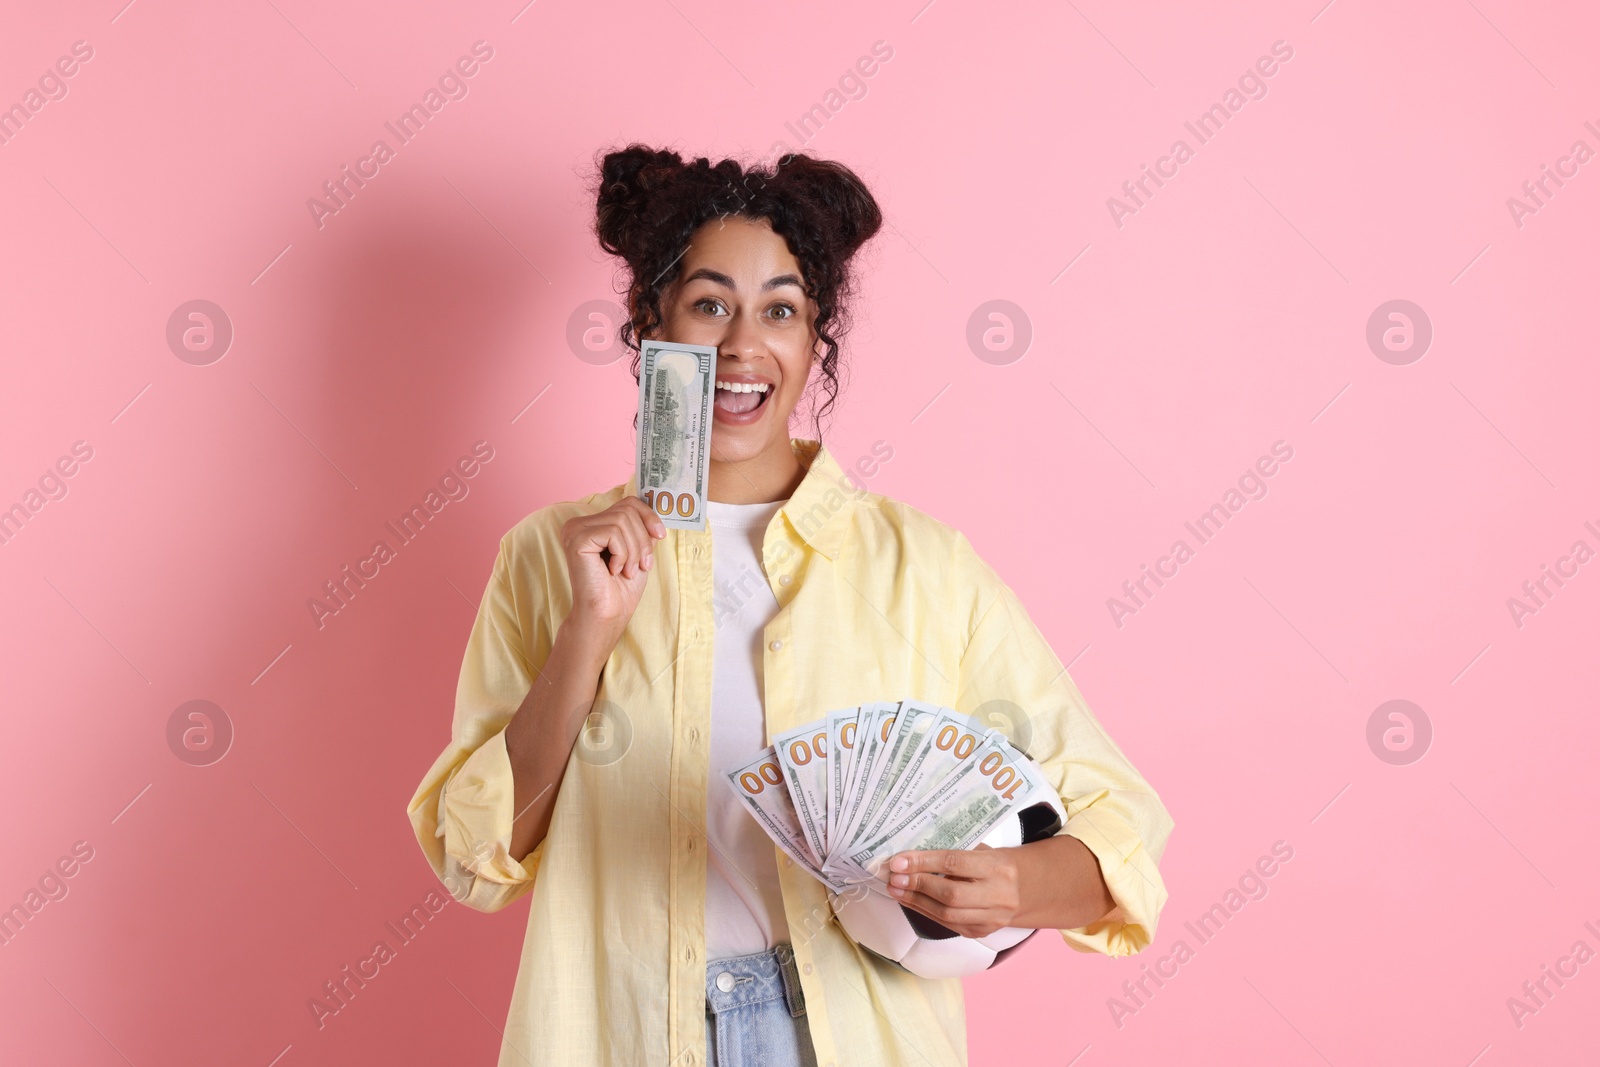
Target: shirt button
(775,645)
(787,862)
(725,982)
(693,734)
(785,579)
(688,954)
(806,968)
(689,844)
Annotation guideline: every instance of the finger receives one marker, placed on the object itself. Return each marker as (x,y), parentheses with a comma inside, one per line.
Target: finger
(652,527)
(616,547)
(639,540)
(966,922)
(652,522)
(959,863)
(623,551)
(646,523)
(630,516)
(594,535)
(954,892)
(608,535)
(939,910)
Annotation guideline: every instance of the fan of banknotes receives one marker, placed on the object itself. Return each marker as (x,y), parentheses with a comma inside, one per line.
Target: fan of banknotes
(843,794)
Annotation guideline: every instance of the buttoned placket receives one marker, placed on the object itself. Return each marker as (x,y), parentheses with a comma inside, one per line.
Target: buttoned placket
(691,710)
(805,899)
(784,554)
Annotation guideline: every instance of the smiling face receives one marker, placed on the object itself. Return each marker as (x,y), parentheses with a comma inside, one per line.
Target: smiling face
(740,290)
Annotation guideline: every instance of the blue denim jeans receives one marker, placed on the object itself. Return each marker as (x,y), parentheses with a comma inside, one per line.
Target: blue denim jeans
(756,1013)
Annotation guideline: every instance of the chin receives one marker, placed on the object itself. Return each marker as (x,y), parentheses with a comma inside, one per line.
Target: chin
(739,444)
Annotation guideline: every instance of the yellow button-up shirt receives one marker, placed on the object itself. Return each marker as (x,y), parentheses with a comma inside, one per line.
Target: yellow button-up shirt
(877,601)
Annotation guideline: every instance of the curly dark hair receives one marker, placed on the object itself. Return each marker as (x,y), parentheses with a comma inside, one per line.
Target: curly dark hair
(649,203)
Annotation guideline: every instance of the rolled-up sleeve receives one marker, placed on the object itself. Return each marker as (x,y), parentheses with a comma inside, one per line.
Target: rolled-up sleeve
(462,811)
(1011,675)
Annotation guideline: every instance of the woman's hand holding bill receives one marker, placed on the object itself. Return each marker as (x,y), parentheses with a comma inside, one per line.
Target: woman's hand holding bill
(609,556)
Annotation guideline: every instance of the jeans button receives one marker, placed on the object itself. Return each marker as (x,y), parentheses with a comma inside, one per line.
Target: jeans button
(725,982)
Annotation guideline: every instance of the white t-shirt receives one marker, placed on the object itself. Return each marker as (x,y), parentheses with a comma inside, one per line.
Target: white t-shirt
(744,907)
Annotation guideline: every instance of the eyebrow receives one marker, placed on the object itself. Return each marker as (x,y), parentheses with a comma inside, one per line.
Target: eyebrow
(726,282)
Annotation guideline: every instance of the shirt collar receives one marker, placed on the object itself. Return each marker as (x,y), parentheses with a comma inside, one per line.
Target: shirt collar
(822,505)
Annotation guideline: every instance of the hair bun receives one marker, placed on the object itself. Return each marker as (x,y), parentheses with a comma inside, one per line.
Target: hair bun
(835,188)
(629,179)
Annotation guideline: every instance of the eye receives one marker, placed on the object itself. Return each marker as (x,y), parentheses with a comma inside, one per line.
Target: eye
(788,310)
(708,302)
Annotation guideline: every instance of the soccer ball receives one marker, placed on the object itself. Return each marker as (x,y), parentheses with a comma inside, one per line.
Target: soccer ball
(923,946)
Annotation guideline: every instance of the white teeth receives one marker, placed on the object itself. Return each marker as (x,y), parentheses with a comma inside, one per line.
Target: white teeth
(743,387)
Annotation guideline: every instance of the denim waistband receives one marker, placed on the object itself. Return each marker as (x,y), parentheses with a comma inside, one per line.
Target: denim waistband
(738,981)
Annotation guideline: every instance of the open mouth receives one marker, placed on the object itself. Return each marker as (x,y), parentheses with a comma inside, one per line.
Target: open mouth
(741,398)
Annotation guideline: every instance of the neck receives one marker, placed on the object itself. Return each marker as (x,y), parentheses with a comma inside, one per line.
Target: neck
(773,475)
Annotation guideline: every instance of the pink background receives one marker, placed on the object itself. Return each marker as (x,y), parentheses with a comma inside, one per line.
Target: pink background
(1228,313)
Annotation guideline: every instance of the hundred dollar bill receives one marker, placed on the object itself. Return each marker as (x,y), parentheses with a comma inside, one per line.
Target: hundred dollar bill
(842,726)
(948,742)
(869,714)
(760,785)
(910,734)
(802,754)
(676,383)
(872,744)
(876,743)
(860,756)
(993,782)
(965,806)
(939,820)
(875,748)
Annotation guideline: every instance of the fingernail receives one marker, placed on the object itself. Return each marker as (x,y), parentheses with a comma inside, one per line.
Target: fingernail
(897,891)
(900,879)
(899,863)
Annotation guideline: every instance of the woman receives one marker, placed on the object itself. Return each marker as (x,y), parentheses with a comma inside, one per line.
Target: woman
(618,669)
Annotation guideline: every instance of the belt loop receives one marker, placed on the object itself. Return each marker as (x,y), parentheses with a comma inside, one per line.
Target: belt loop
(793,993)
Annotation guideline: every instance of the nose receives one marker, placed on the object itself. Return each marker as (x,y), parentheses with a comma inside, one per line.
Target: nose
(743,339)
